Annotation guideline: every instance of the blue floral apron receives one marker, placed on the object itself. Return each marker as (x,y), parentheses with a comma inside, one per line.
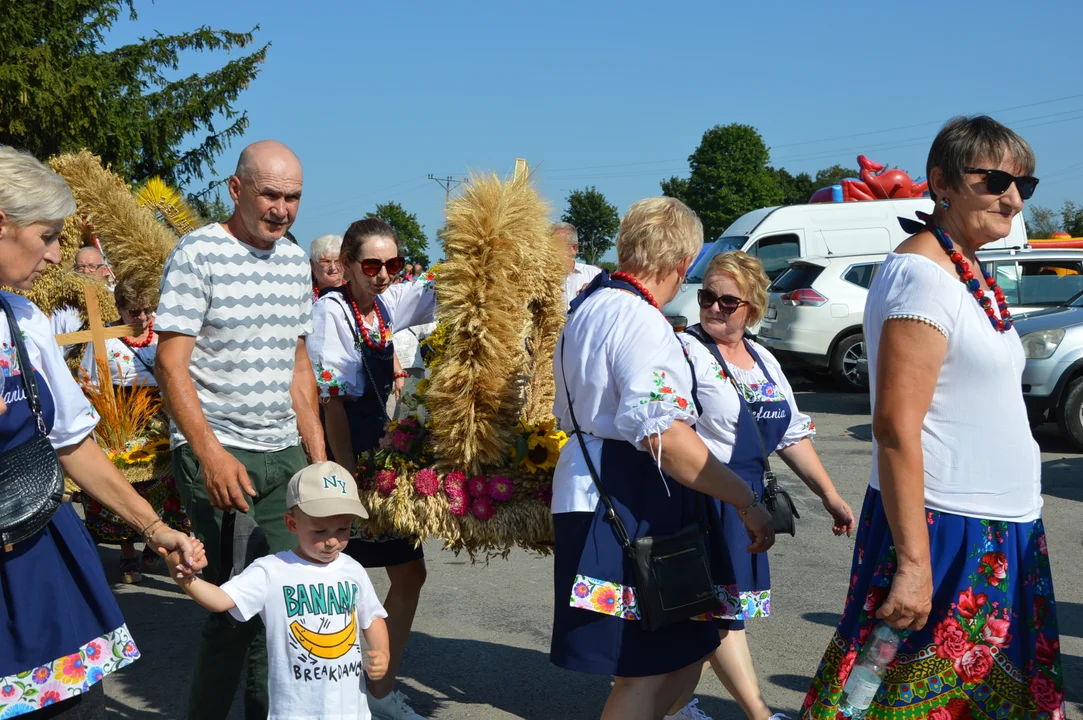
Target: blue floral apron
(596,626)
(55,602)
(770,414)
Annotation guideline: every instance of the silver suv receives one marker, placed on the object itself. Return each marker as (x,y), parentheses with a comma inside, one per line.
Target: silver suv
(1053,376)
(1035,279)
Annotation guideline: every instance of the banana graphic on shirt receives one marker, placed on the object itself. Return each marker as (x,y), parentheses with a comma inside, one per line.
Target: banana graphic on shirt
(328,646)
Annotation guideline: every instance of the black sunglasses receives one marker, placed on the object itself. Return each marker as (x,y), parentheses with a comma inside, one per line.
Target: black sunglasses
(726,303)
(998,182)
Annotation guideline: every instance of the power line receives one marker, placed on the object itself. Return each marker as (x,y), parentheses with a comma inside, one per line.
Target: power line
(447,183)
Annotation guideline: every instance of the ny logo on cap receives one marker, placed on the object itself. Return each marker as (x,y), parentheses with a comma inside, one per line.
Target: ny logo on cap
(334,482)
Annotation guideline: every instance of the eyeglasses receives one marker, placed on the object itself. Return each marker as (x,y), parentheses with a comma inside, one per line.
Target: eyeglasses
(998,182)
(136,312)
(329,263)
(88,267)
(728,304)
(371,266)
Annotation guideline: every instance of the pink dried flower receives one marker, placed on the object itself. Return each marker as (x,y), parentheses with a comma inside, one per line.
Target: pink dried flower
(501,488)
(544,494)
(386,480)
(408,423)
(478,487)
(427,482)
(400,441)
(482,508)
(455,484)
(457,505)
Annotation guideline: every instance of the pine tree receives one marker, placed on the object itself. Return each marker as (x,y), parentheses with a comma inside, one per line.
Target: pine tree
(61,90)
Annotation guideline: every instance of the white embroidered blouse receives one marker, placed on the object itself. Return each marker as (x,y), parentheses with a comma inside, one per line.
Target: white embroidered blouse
(629,379)
(721,408)
(74,418)
(339,368)
(128,365)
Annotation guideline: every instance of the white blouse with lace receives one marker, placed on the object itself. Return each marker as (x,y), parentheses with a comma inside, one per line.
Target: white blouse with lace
(128,365)
(335,359)
(629,380)
(980,459)
(721,407)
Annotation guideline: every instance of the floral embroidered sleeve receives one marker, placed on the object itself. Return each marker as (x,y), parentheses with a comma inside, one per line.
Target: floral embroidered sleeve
(653,379)
(331,351)
(74,418)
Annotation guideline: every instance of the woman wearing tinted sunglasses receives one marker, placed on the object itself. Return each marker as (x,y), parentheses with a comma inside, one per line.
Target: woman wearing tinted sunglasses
(953,510)
(732,425)
(354,360)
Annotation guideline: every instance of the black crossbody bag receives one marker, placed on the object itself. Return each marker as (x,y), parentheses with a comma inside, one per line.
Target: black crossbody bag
(31,481)
(673,573)
(778,502)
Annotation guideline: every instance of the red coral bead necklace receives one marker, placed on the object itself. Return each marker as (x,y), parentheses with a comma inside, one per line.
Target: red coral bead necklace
(144,343)
(381,327)
(625,277)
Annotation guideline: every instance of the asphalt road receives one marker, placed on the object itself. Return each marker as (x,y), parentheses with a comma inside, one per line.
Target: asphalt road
(480,642)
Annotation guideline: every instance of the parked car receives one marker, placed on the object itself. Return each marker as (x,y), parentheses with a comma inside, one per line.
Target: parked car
(1053,374)
(1034,279)
(814,314)
(777,235)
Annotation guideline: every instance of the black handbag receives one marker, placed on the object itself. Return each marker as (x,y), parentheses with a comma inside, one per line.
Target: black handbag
(31,481)
(778,502)
(673,574)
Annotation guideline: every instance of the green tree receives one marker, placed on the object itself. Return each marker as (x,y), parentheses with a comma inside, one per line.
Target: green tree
(1072,218)
(595,219)
(729,177)
(676,187)
(412,240)
(61,90)
(796,189)
(1043,222)
(832,176)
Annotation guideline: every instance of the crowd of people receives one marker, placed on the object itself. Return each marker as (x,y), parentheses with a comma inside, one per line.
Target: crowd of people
(278,369)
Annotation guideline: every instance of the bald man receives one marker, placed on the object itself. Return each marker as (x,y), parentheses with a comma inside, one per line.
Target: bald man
(236,305)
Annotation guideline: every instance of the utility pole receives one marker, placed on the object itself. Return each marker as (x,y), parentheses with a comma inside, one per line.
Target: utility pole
(447,183)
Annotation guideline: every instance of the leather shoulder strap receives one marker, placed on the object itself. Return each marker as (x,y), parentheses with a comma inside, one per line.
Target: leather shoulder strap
(26,370)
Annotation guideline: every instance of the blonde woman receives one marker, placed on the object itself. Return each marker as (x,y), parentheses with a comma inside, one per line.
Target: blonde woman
(621,371)
(748,409)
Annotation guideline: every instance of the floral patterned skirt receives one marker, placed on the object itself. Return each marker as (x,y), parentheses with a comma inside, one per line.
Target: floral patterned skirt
(990,648)
(107,528)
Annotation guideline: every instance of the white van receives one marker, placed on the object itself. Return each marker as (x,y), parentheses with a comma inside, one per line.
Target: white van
(777,235)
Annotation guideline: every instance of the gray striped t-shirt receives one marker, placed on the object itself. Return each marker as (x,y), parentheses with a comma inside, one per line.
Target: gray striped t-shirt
(246,308)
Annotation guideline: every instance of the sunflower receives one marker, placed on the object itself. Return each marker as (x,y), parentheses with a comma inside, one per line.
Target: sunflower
(137,457)
(543,448)
(157,446)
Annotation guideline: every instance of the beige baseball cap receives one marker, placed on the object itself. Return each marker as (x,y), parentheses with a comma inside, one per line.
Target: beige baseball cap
(325,489)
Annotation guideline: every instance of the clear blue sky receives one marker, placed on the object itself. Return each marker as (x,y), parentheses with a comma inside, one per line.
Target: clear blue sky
(374,96)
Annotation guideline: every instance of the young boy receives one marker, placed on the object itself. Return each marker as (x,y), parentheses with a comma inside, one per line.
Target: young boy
(313,600)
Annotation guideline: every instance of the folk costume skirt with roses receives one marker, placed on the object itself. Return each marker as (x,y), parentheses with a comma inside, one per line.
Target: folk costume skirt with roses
(990,648)
(596,624)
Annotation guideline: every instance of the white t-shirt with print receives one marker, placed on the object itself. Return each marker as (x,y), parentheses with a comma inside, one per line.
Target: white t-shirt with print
(314,614)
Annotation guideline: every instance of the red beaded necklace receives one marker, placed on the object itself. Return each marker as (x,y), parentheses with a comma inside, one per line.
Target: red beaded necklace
(150,338)
(625,277)
(385,334)
(962,267)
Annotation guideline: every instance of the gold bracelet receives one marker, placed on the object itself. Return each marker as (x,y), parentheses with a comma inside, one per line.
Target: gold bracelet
(744,511)
(146,530)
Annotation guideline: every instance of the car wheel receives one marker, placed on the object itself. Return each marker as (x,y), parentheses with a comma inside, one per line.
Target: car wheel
(1070,414)
(844,364)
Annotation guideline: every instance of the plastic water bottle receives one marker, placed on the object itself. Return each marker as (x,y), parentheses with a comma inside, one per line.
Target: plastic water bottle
(868,671)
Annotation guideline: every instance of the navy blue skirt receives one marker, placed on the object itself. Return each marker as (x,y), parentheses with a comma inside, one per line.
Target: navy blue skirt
(604,644)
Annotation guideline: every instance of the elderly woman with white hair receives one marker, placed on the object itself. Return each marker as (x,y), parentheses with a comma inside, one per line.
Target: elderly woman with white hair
(635,577)
(326,265)
(60,627)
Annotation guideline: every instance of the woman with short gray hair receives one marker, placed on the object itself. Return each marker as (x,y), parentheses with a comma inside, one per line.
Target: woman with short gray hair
(951,553)
(326,265)
(60,627)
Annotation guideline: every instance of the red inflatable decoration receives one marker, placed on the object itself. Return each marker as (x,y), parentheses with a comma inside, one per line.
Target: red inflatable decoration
(875,184)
